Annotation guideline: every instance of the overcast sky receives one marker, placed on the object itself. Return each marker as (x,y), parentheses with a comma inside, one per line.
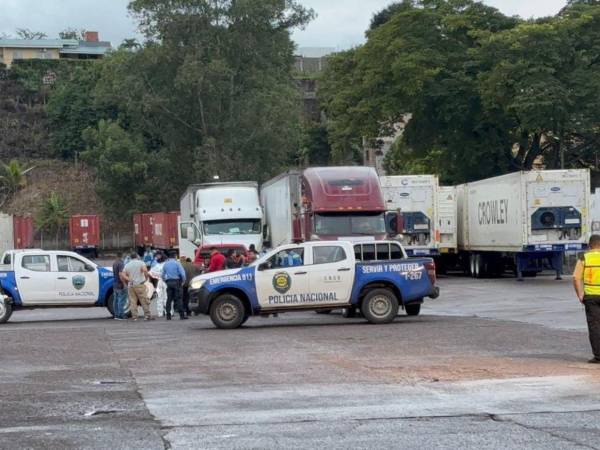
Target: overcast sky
(339,23)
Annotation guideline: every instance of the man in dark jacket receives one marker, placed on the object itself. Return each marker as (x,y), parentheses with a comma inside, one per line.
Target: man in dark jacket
(174,276)
(119,289)
(191,270)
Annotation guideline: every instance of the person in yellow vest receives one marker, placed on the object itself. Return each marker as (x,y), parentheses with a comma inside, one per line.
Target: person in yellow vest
(586,280)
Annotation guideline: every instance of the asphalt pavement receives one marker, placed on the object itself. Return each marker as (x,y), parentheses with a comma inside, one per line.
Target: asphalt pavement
(492,364)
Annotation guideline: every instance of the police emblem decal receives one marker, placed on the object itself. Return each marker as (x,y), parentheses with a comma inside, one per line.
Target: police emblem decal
(282,282)
(78,282)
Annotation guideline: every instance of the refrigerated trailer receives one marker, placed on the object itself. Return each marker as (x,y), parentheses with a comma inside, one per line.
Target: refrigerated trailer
(414,200)
(324,203)
(446,220)
(523,220)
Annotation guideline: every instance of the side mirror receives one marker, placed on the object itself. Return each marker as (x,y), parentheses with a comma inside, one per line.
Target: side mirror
(89,268)
(263,266)
(391,223)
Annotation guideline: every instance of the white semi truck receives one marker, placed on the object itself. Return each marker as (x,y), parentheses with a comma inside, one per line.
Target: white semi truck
(525,221)
(220,214)
(414,200)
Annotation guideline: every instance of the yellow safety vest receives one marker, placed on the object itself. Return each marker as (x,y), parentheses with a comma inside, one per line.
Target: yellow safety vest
(591,273)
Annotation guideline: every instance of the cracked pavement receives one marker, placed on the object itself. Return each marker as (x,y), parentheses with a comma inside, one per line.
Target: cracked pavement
(492,365)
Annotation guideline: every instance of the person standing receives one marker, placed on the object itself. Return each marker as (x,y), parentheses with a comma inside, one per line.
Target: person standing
(135,274)
(217,260)
(119,290)
(586,280)
(252,254)
(173,275)
(148,257)
(235,260)
(191,271)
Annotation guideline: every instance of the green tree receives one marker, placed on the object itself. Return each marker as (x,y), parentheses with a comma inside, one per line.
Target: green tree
(53,215)
(210,93)
(12,176)
(71,109)
(485,93)
(126,179)
(26,33)
(72,33)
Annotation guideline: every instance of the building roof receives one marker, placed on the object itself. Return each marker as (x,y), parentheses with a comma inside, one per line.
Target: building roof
(38,43)
(65,46)
(87,48)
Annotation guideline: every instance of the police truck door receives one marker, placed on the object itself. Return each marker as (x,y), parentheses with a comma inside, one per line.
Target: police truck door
(35,279)
(332,274)
(283,279)
(76,280)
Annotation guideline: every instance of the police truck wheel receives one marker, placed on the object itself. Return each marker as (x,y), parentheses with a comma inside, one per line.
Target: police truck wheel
(413,310)
(110,304)
(246,317)
(6,311)
(380,306)
(227,311)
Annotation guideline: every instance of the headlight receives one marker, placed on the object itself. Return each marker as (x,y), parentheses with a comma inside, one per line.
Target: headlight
(196,284)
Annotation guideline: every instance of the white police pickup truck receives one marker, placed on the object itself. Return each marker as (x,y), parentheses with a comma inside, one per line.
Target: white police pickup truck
(374,278)
(42,279)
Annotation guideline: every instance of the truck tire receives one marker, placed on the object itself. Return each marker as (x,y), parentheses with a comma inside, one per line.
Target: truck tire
(413,309)
(227,312)
(380,306)
(246,317)
(110,304)
(6,311)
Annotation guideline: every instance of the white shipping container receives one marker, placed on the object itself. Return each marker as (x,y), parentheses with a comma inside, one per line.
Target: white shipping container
(6,233)
(525,210)
(447,219)
(280,199)
(595,211)
(416,196)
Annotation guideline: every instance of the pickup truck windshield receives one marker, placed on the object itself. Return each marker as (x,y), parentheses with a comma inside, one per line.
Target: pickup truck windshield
(334,224)
(224,227)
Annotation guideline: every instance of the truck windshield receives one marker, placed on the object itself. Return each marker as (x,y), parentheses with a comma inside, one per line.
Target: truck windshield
(335,224)
(248,226)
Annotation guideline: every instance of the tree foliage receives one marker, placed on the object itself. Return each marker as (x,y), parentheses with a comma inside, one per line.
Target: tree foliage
(210,93)
(129,178)
(53,216)
(26,33)
(12,176)
(485,93)
(71,110)
(72,33)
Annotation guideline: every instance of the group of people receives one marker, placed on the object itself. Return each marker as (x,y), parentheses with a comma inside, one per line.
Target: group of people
(131,274)
(131,290)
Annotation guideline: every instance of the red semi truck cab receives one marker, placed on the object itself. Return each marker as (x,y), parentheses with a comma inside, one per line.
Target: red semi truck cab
(324,203)
(342,202)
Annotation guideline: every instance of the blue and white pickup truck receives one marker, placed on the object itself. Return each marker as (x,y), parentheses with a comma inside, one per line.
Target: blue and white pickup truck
(374,278)
(43,279)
